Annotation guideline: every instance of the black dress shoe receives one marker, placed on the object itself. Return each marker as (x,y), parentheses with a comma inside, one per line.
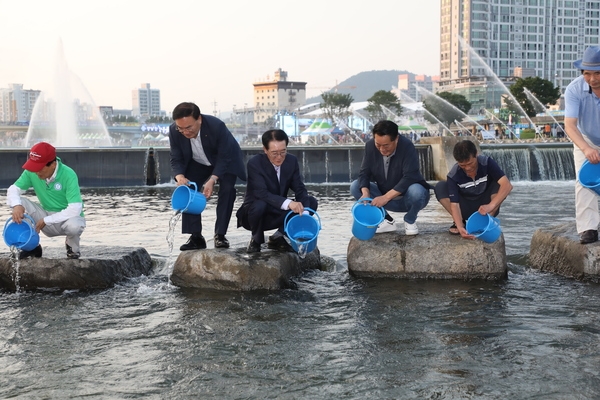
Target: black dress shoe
(279,244)
(221,242)
(589,236)
(194,243)
(36,252)
(253,247)
(71,254)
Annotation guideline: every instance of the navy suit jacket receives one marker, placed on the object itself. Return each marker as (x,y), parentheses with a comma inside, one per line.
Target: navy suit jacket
(263,184)
(402,172)
(219,145)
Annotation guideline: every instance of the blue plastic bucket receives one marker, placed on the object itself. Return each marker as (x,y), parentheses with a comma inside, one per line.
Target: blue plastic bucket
(589,176)
(367,218)
(303,230)
(484,227)
(23,236)
(189,201)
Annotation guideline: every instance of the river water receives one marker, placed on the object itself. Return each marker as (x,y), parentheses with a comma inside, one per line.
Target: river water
(534,335)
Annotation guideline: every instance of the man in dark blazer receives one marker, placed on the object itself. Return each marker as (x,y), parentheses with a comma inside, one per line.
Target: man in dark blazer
(271,175)
(390,175)
(205,152)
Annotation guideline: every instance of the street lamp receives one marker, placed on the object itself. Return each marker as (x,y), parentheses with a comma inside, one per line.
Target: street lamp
(245,122)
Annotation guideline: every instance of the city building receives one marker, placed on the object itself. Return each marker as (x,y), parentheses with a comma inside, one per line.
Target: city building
(408,85)
(145,101)
(482,42)
(16,103)
(277,96)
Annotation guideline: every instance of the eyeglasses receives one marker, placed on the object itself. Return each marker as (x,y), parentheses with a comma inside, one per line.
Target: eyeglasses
(281,153)
(189,129)
(186,129)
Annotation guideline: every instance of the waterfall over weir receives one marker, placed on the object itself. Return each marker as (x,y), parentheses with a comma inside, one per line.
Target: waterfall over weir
(534,163)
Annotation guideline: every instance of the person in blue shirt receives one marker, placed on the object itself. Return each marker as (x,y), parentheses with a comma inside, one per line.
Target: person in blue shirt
(582,124)
(474,184)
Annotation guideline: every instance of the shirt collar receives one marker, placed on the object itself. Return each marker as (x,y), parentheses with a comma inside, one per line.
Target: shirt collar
(51,179)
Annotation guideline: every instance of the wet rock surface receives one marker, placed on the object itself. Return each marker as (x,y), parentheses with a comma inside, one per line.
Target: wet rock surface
(99,267)
(432,254)
(234,269)
(557,249)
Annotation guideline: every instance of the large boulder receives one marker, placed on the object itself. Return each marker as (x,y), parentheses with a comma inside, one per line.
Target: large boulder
(557,249)
(432,254)
(235,270)
(100,267)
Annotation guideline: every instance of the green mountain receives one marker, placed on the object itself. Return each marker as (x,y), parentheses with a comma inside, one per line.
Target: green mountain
(364,84)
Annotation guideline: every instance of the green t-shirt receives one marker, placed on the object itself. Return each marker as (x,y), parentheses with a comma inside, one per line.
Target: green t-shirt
(56,195)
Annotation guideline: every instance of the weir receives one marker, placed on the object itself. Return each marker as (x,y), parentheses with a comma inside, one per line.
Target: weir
(125,167)
(534,162)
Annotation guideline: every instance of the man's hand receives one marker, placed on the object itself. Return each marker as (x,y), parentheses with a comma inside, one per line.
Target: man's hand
(592,155)
(209,188)
(181,180)
(464,234)
(379,201)
(40,225)
(296,207)
(18,212)
(485,209)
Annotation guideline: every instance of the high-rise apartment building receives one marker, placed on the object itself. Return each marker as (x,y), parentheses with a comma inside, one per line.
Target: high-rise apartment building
(409,84)
(542,36)
(16,103)
(277,95)
(145,101)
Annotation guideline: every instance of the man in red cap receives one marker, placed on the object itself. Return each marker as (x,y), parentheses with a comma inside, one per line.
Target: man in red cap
(60,212)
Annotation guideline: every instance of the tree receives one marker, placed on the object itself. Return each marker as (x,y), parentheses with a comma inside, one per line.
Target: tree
(542,89)
(381,100)
(336,105)
(446,107)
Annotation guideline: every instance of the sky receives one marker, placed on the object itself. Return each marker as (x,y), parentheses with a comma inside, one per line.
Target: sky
(211,52)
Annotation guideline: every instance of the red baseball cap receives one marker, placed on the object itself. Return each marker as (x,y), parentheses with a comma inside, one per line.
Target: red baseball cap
(40,155)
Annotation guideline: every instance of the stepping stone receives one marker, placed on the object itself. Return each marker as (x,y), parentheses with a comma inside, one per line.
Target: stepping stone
(99,267)
(432,254)
(234,269)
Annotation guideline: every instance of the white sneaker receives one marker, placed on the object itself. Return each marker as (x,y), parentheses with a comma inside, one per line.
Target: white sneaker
(386,226)
(410,229)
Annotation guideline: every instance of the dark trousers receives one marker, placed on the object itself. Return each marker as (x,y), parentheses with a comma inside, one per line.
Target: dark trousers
(469,205)
(259,217)
(199,174)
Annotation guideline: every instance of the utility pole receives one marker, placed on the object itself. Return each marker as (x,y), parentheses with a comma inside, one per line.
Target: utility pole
(214,108)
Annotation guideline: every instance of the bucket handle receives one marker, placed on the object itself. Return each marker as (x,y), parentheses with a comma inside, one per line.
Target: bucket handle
(368,200)
(285,221)
(191,200)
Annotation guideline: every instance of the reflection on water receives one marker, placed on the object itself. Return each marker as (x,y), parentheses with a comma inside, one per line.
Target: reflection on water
(533,335)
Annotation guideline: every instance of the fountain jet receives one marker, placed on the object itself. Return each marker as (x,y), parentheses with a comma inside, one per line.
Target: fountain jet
(490,73)
(66,115)
(543,108)
(410,99)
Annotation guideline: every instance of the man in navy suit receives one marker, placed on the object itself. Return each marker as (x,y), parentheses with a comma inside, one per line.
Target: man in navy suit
(205,152)
(270,176)
(390,175)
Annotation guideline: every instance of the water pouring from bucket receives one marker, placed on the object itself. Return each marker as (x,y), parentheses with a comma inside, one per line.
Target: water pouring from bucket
(367,218)
(303,231)
(186,200)
(484,227)
(23,236)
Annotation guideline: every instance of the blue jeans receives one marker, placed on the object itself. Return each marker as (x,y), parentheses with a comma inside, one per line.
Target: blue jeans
(414,200)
